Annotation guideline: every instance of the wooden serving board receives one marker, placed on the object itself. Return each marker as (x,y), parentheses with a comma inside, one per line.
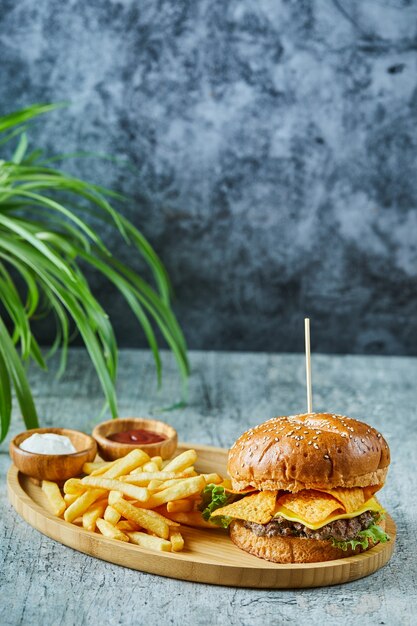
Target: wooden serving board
(209,556)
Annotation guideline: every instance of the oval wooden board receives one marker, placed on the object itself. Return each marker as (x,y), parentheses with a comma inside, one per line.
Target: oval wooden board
(209,555)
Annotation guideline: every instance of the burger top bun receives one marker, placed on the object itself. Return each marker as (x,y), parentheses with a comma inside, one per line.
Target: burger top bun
(309,451)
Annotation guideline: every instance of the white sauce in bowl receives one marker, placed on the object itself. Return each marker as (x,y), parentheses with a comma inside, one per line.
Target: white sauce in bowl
(48,443)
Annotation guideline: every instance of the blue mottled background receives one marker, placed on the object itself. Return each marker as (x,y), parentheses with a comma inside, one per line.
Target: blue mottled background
(273,155)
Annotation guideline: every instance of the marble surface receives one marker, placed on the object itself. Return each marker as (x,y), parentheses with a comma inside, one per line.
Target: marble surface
(271,155)
(43,582)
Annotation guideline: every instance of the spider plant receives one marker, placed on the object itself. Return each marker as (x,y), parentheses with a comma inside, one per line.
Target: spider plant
(46,242)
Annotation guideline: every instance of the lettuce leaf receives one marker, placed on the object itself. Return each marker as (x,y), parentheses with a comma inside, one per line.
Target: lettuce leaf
(374,532)
(214,497)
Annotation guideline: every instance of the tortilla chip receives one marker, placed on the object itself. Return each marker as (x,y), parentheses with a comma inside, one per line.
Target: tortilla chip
(371,491)
(312,506)
(351,499)
(227,486)
(258,508)
(354,498)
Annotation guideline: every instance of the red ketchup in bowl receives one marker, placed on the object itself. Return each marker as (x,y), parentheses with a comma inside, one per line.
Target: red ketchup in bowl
(139,436)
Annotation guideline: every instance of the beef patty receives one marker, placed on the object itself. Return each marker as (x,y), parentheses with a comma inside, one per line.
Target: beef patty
(340,530)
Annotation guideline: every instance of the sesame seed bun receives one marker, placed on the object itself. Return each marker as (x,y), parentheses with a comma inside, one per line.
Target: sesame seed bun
(309,451)
(289,549)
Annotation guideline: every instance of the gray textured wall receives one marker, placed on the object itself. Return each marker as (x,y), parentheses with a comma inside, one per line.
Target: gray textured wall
(273,147)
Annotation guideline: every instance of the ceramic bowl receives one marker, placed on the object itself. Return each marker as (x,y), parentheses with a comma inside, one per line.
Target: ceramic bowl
(56,467)
(110,450)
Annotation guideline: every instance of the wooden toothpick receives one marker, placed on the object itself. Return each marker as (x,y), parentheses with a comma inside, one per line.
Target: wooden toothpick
(308,365)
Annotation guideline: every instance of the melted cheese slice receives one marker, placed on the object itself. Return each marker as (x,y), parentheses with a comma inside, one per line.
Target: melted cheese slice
(371,505)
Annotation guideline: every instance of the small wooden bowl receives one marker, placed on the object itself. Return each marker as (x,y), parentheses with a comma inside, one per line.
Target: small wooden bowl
(56,467)
(110,450)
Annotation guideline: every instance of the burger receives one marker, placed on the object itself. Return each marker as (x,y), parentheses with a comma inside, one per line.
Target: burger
(303,489)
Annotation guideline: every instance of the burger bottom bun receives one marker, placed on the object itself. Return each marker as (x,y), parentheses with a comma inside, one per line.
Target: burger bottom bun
(289,549)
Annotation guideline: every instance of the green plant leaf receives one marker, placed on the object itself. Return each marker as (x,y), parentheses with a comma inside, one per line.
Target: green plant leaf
(52,204)
(46,240)
(20,151)
(14,226)
(159,271)
(88,316)
(16,311)
(18,376)
(18,117)
(15,133)
(32,298)
(157,307)
(62,332)
(125,288)
(36,354)
(5,398)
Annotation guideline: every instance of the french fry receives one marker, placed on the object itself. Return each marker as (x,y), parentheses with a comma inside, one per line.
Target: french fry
(55,500)
(138,493)
(196,498)
(108,530)
(92,467)
(92,514)
(114,495)
(176,539)
(105,467)
(157,515)
(156,524)
(126,464)
(165,483)
(157,460)
(189,471)
(193,518)
(156,485)
(74,486)
(182,461)
(150,467)
(127,525)
(111,515)
(82,503)
(136,498)
(70,498)
(212,479)
(180,506)
(142,479)
(181,490)
(137,470)
(148,542)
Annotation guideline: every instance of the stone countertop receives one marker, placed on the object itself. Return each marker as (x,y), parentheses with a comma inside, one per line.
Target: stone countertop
(44,582)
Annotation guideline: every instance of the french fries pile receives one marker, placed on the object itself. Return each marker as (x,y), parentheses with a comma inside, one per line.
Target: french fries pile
(135,499)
